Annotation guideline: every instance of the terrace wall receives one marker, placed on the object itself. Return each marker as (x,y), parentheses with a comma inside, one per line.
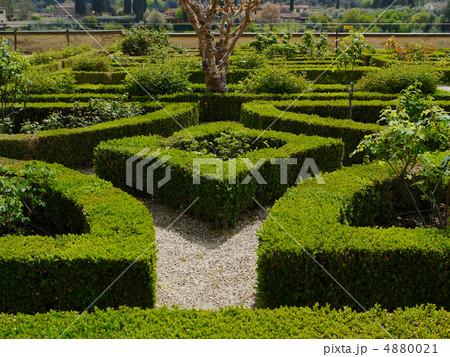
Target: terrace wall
(30,41)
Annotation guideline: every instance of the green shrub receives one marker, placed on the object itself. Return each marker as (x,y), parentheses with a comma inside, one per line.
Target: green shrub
(247,61)
(139,41)
(110,230)
(274,80)
(20,195)
(80,116)
(42,82)
(70,51)
(337,224)
(424,322)
(220,201)
(398,77)
(44,57)
(91,63)
(154,80)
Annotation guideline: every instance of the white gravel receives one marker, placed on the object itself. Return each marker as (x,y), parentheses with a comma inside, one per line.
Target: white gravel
(200,267)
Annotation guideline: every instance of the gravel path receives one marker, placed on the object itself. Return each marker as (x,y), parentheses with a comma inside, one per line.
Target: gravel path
(444,87)
(201,267)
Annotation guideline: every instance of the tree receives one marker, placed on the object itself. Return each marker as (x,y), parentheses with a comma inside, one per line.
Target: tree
(215,54)
(181,15)
(155,17)
(139,7)
(127,7)
(25,7)
(349,51)
(80,7)
(8,5)
(98,6)
(270,13)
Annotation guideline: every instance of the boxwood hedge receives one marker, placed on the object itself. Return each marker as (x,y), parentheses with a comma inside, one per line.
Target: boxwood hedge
(424,322)
(261,115)
(219,201)
(388,266)
(67,272)
(75,147)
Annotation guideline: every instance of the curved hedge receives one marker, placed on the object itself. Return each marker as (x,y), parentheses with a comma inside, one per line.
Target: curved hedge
(388,266)
(423,322)
(220,201)
(67,272)
(75,147)
(261,115)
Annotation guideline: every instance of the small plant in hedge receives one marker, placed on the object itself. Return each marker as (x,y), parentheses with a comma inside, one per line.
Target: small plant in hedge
(247,61)
(415,129)
(312,47)
(20,195)
(274,80)
(91,63)
(400,76)
(13,82)
(44,82)
(139,41)
(154,80)
(349,51)
(98,111)
(226,146)
(410,51)
(264,41)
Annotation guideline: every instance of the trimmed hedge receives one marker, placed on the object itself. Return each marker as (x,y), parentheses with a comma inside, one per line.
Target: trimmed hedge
(388,266)
(37,111)
(423,322)
(220,201)
(75,147)
(67,272)
(260,115)
(332,75)
(100,77)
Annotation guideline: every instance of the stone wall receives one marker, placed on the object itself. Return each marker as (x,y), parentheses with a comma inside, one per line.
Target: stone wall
(31,41)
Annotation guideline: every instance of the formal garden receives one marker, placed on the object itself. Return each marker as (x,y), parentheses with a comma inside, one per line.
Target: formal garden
(371,231)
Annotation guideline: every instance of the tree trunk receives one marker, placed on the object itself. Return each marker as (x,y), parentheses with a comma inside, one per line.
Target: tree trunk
(214,64)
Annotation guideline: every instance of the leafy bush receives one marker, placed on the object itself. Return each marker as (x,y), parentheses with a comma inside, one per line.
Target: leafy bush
(70,51)
(398,77)
(20,195)
(13,80)
(410,51)
(312,47)
(413,130)
(274,80)
(44,57)
(139,41)
(91,63)
(154,80)
(227,145)
(43,82)
(98,111)
(247,61)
